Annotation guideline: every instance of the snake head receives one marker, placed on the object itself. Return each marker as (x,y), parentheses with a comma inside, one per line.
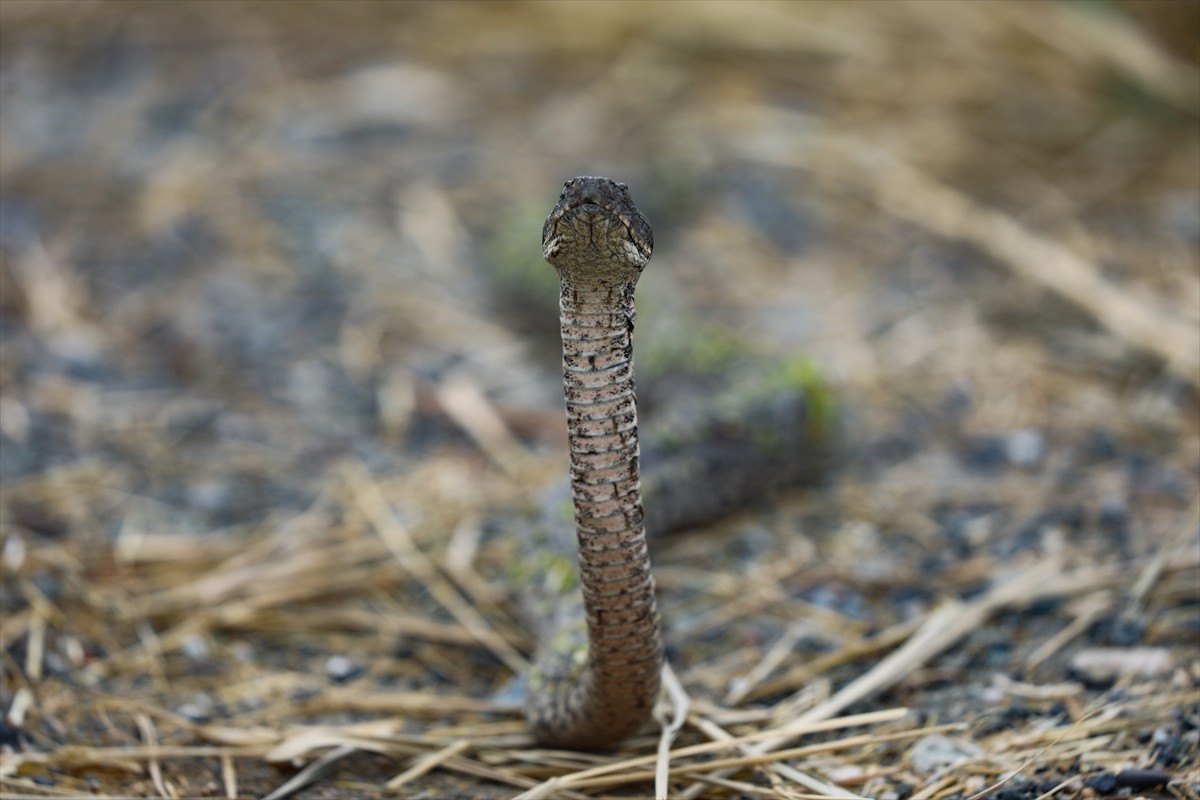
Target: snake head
(595,233)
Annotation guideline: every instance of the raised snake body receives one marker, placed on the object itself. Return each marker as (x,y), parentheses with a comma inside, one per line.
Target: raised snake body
(596,678)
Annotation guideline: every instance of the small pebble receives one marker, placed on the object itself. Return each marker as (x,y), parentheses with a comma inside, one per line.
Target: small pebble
(1025,447)
(938,752)
(1114,515)
(210,495)
(1181,214)
(14,553)
(985,454)
(1127,630)
(49,585)
(200,709)
(974,783)
(850,773)
(10,736)
(56,663)
(74,651)
(243,651)
(1139,779)
(196,648)
(342,670)
(1103,665)
(1170,750)
(957,402)
(1101,445)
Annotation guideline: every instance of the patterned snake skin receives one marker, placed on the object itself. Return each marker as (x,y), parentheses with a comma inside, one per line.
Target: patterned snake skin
(596,677)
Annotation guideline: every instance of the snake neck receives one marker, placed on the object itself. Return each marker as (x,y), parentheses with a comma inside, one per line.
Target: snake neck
(598,687)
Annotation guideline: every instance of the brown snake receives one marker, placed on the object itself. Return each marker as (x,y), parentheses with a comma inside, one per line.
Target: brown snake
(597,677)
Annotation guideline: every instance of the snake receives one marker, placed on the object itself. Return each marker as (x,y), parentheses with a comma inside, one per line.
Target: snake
(597,673)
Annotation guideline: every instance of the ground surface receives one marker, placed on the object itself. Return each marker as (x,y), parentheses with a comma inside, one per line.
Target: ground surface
(269,276)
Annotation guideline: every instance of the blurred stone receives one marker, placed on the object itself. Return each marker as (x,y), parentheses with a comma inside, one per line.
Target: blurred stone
(14,553)
(1141,779)
(1025,447)
(196,648)
(985,454)
(342,669)
(937,752)
(199,709)
(1181,213)
(1103,665)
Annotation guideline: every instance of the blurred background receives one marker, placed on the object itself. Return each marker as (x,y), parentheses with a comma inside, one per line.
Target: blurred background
(245,244)
(265,226)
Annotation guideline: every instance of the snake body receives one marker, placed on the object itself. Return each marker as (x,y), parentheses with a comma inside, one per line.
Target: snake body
(596,677)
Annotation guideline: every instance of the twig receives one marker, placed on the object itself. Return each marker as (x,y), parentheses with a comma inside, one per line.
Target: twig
(679,701)
(464,403)
(1089,609)
(1153,570)
(725,766)
(426,763)
(587,777)
(312,773)
(229,777)
(766,665)
(715,732)
(150,737)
